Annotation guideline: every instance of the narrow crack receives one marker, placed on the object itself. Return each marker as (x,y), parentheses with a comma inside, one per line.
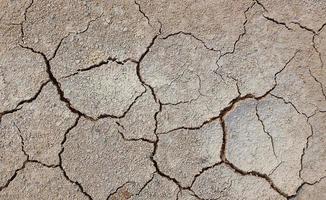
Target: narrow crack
(283,68)
(177,198)
(69,33)
(321,28)
(241,35)
(139,63)
(126,111)
(143,13)
(277,22)
(289,102)
(304,27)
(236,84)
(275,75)
(13,176)
(117,190)
(197,196)
(275,168)
(306,146)
(27,8)
(80,187)
(188,101)
(18,106)
(191,128)
(43,164)
(97,65)
(320,84)
(264,129)
(25,152)
(132,139)
(145,185)
(237,41)
(3,113)
(204,170)
(261,5)
(293,197)
(22,143)
(65,138)
(25,19)
(35,95)
(104,62)
(89,23)
(181,102)
(193,36)
(317,51)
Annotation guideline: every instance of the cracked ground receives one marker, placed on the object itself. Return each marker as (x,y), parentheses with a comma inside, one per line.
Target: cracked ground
(162,100)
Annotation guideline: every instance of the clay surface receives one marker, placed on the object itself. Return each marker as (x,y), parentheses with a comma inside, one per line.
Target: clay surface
(163,100)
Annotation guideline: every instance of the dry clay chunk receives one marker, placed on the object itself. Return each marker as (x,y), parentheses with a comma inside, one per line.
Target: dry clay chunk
(308,13)
(182,154)
(109,89)
(39,182)
(11,155)
(98,158)
(181,71)
(297,83)
(221,182)
(47,22)
(314,159)
(21,71)
(217,23)
(257,130)
(257,57)
(312,192)
(122,32)
(139,122)
(42,125)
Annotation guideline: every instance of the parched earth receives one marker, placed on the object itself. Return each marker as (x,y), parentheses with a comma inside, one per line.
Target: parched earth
(162,100)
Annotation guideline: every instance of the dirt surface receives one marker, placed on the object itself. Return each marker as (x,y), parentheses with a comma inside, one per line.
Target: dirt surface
(162,100)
